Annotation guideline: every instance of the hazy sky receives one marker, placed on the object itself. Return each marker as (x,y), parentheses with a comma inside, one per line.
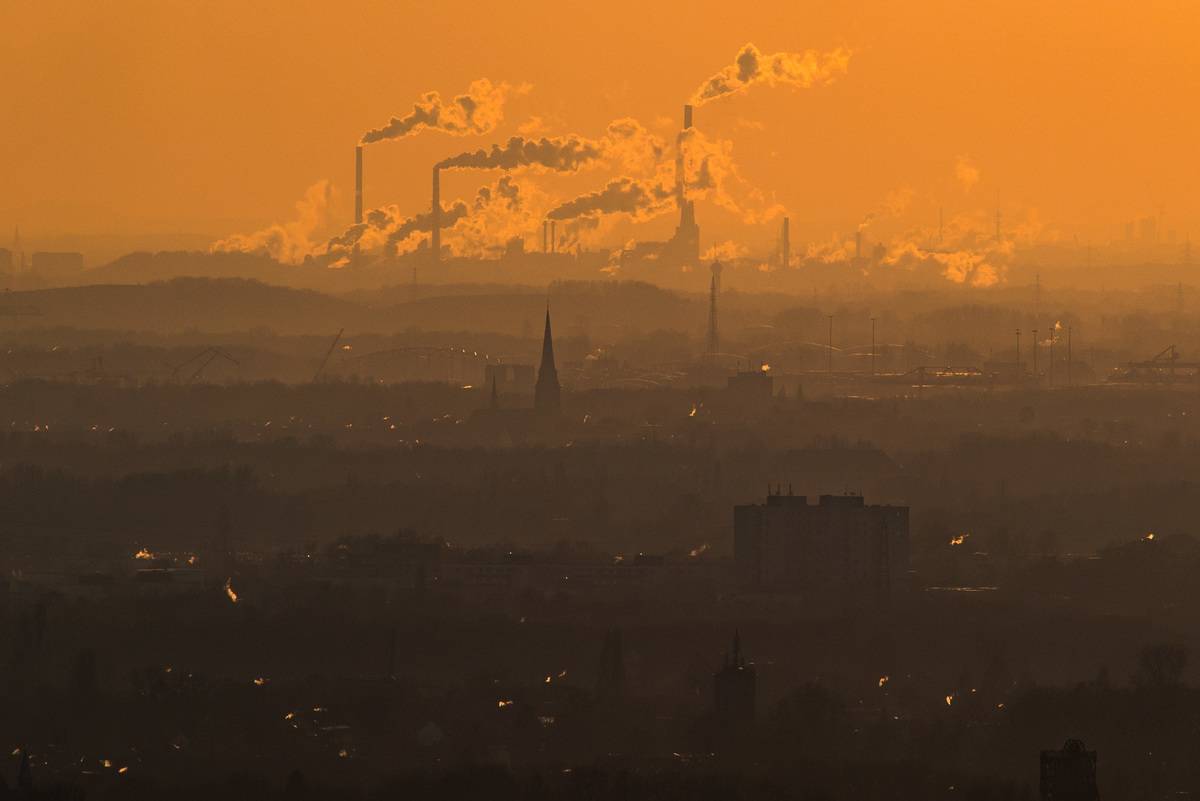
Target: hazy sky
(126,118)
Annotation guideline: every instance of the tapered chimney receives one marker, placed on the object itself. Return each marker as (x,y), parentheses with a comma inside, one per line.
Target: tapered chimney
(687,117)
(785,247)
(545,236)
(553,239)
(358,153)
(435,230)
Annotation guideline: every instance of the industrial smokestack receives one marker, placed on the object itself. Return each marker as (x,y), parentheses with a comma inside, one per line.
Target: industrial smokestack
(435,238)
(545,236)
(785,247)
(358,150)
(680,189)
(553,239)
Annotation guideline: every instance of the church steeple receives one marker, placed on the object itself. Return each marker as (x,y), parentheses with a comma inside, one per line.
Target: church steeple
(546,392)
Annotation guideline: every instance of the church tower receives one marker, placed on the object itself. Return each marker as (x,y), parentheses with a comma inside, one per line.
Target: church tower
(546,392)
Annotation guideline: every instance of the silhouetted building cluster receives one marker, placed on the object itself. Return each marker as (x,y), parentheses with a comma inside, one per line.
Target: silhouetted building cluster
(837,552)
(1069,774)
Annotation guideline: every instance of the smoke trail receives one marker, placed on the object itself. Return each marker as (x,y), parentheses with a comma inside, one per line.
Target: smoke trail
(478,111)
(560,154)
(709,172)
(892,206)
(288,242)
(385,229)
(423,223)
(641,200)
(498,212)
(751,67)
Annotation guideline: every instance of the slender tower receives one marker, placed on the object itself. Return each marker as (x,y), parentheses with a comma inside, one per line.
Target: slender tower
(785,246)
(358,154)
(686,242)
(547,393)
(713,344)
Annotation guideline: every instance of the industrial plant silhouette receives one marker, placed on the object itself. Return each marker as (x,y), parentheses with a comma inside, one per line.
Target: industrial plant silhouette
(838,440)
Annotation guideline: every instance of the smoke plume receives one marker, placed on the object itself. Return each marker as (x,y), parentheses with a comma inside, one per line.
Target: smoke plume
(648,189)
(641,200)
(752,67)
(498,212)
(288,242)
(478,111)
(559,154)
(892,206)
(966,173)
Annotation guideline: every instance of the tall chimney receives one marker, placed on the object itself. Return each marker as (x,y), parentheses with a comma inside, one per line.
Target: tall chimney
(545,236)
(785,255)
(435,230)
(553,239)
(680,195)
(358,184)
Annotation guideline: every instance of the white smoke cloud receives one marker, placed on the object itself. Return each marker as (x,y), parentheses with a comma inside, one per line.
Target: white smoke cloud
(966,173)
(894,204)
(477,112)
(558,154)
(289,242)
(727,251)
(648,187)
(752,67)
(969,251)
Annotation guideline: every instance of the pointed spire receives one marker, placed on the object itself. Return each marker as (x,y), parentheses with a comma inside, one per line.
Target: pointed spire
(548,343)
(546,393)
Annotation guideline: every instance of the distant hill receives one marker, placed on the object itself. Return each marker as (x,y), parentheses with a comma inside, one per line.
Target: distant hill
(606,311)
(203,304)
(145,268)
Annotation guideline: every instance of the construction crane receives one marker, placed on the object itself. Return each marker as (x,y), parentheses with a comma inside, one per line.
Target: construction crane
(328,353)
(1163,367)
(205,357)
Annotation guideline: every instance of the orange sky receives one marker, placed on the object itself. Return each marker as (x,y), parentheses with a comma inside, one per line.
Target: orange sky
(149,118)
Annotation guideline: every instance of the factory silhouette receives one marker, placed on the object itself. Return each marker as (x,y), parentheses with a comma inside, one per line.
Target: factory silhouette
(838,439)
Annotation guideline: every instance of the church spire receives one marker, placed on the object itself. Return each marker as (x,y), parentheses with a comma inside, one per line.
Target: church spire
(546,392)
